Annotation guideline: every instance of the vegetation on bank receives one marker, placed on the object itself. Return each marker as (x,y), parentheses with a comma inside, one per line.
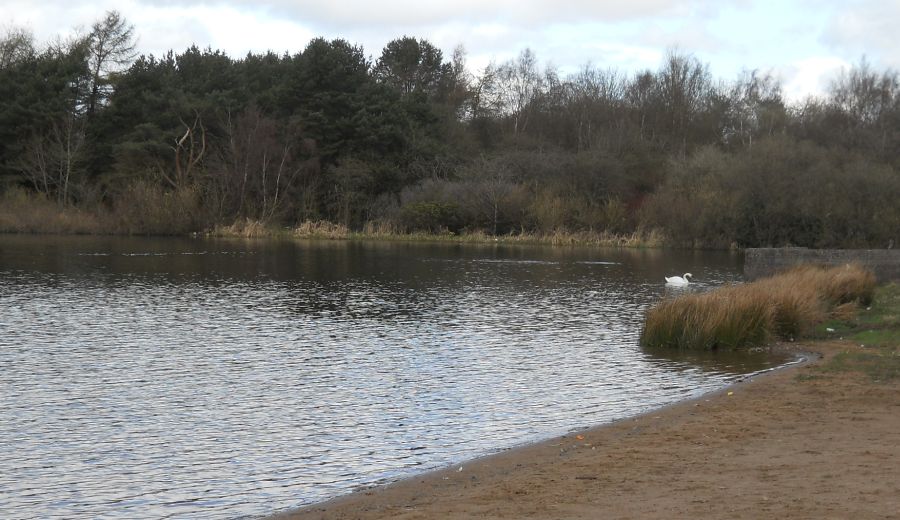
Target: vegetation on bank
(21,212)
(96,139)
(380,231)
(876,333)
(786,306)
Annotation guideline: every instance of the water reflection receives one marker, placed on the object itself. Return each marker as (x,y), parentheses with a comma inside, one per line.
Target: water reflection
(718,361)
(211,379)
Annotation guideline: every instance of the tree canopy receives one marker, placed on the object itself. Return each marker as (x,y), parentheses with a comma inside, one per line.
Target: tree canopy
(415,141)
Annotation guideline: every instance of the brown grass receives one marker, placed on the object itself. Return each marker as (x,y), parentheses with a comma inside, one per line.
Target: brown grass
(785,306)
(243,228)
(601,238)
(25,212)
(322,229)
(144,208)
(387,231)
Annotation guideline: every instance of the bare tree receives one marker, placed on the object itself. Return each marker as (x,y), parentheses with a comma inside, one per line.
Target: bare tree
(755,108)
(872,103)
(508,90)
(16,45)
(259,169)
(518,83)
(642,97)
(484,103)
(595,99)
(460,84)
(51,159)
(189,151)
(53,149)
(684,84)
(492,190)
(863,93)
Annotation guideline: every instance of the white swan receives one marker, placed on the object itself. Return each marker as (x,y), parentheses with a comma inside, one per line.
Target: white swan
(678,280)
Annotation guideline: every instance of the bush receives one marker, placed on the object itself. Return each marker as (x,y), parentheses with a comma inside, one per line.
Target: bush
(432,217)
(146,208)
(779,193)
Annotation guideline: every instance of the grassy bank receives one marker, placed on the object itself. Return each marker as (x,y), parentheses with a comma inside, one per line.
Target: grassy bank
(156,212)
(874,334)
(787,306)
(381,231)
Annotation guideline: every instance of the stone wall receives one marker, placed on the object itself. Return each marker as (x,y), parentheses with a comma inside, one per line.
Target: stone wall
(759,262)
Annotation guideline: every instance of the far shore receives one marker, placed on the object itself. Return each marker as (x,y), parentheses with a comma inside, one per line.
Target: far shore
(21,218)
(809,441)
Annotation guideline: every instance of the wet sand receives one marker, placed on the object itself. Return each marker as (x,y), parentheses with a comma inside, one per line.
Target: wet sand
(794,443)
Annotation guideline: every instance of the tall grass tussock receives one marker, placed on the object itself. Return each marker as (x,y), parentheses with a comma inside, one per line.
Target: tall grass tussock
(322,229)
(244,228)
(785,306)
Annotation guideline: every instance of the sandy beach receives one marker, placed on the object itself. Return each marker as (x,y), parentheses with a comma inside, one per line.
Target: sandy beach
(801,442)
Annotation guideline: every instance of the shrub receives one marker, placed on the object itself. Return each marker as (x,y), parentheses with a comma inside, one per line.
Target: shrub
(430,216)
(147,208)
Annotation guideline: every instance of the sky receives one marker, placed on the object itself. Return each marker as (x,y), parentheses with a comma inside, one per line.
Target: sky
(804,43)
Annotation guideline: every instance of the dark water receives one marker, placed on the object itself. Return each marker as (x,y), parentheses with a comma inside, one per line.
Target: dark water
(154,378)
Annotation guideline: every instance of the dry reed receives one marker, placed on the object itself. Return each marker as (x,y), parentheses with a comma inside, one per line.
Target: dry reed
(386,231)
(244,228)
(24,212)
(784,306)
(322,229)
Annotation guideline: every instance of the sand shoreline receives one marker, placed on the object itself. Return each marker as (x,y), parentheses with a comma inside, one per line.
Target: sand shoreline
(786,443)
(801,358)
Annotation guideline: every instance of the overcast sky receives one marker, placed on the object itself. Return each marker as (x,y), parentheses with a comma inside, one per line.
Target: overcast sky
(805,43)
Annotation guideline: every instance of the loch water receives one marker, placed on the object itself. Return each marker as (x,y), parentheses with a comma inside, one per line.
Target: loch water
(202,378)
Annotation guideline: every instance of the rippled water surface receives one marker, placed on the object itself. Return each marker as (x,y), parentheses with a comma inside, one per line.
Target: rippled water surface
(148,378)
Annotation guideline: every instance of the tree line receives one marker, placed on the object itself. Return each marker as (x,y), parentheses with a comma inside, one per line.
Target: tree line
(414,141)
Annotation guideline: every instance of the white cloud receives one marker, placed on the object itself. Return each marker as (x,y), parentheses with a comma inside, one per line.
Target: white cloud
(691,36)
(624,57)
(805,41)
(163,26)
(810,76)
(231,30)
(630,57)
(867,27)
(411,13)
